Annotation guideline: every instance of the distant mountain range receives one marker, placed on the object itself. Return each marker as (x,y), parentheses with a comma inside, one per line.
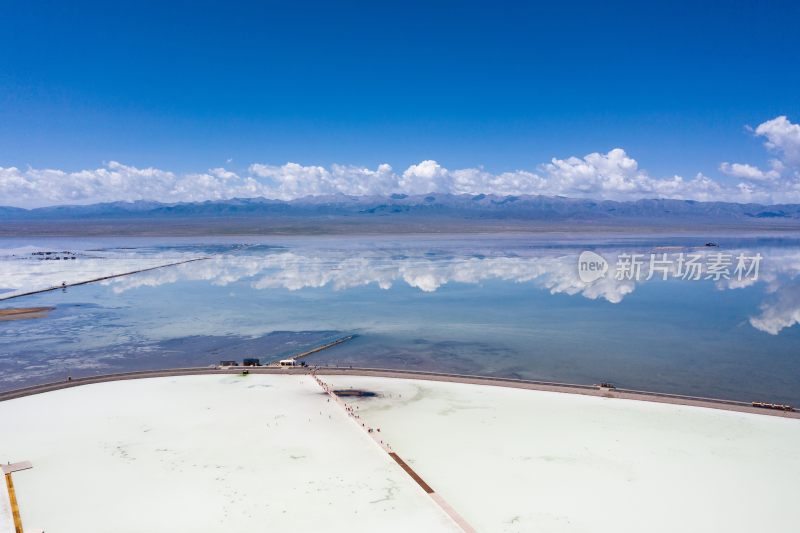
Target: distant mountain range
(417,212)
(480,206)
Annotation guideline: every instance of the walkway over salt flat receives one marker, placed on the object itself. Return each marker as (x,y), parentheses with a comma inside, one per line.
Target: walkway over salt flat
(7,470)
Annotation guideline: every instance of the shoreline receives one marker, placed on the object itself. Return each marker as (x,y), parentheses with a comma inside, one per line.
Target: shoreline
(565,388)
(366,225)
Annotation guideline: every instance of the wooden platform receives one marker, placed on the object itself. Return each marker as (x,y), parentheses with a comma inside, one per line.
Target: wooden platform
(10,468)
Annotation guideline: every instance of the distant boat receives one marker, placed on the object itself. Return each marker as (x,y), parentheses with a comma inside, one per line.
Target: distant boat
(711,244)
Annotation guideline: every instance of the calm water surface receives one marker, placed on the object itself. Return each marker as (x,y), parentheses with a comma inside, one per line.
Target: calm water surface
(494,305)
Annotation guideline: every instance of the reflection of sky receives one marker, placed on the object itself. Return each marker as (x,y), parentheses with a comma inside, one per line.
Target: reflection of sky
(265,268)
(496,307)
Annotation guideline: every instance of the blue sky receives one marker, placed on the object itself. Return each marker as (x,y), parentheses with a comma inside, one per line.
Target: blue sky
(500,86)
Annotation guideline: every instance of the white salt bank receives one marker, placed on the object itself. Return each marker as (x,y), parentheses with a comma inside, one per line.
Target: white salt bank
(222,453)
(512,460)
(204,454)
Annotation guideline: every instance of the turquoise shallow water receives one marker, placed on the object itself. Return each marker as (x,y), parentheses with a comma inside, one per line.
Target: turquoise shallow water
(494,305)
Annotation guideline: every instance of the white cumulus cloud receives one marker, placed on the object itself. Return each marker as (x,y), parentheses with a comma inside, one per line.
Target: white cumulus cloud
(748,172)
(782,180)
(783,137)
(613,175)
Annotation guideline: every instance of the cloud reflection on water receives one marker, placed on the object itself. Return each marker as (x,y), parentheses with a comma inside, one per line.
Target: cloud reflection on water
(428,271)
(553,271)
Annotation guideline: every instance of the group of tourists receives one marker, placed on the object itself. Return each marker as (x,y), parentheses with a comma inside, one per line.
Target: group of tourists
(350,410)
